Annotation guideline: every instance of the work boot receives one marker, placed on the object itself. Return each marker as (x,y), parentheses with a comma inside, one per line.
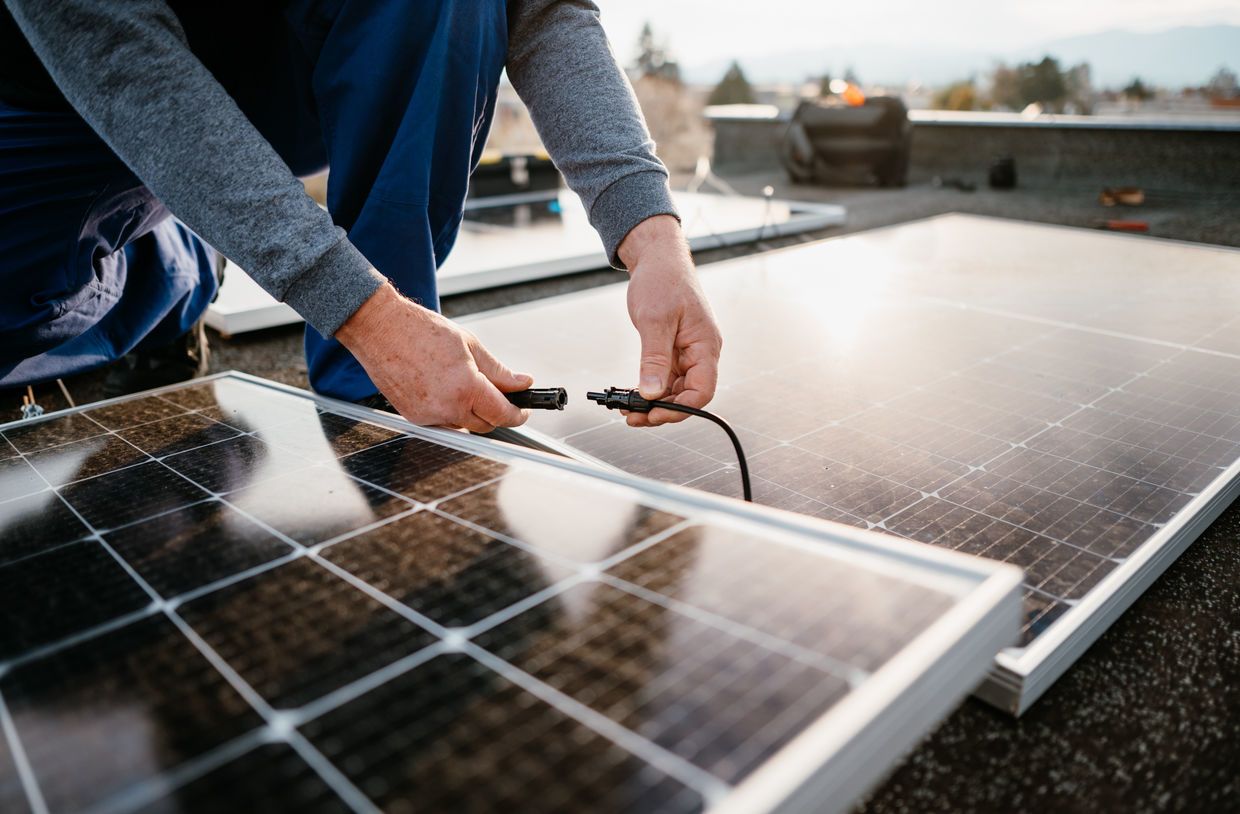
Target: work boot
(185,358)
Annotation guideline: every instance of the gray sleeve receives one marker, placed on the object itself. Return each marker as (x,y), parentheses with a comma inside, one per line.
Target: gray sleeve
(563,68)
(125,66)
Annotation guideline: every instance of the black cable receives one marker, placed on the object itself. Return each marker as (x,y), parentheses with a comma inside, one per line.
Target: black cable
(620,398)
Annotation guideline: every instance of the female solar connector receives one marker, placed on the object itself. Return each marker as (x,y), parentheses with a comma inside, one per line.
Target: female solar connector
(539,398)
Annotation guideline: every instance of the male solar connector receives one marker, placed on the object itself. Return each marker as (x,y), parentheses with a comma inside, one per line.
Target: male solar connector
(624,398)
(621,398)
(539,398)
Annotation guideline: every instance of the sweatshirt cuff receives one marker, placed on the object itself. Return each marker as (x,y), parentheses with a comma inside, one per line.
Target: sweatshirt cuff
(327,293)
(626,203)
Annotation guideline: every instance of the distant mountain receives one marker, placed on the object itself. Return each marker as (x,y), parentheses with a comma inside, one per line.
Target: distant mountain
(872,62)
(1172,58)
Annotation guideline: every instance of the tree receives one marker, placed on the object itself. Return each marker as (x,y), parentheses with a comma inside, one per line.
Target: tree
(653,59)
(1042,82)
(1138,90)
(1223,85)
(733,89)
(957,96)
(1080,84)
(1005,87)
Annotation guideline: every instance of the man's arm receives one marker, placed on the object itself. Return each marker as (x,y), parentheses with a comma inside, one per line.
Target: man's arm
(562,66)
(127,70)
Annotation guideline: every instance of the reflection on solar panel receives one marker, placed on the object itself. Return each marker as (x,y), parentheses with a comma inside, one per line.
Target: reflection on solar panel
(234,596)
(1057,399)
(517,238)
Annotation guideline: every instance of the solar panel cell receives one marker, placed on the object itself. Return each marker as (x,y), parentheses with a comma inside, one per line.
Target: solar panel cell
(18,478)
(715,699)
(585,527)
(315,505)
(34,437)
(79,460)
(235,463)
(271,777)
(148,490)
(123,414)
(632,454)
(787,598)
(451,735)
(191,547)
(40,606)
(851,490)
(452,574)
(117,709)
(29,525)
(319,436)
(421,470)
(296,632)
(177,434)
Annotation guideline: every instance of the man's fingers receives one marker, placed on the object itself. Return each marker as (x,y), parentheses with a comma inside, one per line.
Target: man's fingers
(476,425)
(497,372)
(694,388)
(490,405)
(699,385)
(658,417)
(658,350)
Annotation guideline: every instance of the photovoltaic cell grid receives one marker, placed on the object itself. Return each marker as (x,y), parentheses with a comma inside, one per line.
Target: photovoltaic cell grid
(225,596)
(1046,397)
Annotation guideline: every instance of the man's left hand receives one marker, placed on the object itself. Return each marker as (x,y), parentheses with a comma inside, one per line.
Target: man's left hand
(680,340)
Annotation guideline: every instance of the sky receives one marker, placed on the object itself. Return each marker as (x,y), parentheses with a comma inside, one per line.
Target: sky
(704,31)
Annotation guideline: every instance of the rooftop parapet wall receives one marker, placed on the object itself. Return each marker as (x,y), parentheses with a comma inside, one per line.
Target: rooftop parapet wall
(1063,151)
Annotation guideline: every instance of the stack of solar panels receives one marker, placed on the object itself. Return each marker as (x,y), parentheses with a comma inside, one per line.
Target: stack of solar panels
(234,596)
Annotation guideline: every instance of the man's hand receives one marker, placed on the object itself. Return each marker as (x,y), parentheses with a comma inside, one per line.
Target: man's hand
(432,371)
(680,341)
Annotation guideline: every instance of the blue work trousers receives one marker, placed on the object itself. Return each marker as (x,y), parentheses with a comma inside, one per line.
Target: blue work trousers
(396,96)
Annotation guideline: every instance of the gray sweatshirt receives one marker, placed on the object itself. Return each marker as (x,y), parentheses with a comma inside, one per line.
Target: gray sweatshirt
(126,68)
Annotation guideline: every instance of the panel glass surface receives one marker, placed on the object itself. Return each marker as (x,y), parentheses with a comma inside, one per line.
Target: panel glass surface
(1047,397)
(274,606)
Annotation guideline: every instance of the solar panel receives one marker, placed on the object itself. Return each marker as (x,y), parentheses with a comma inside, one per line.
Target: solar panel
(1058,399)
(531,236)
(527,237)
(232,594)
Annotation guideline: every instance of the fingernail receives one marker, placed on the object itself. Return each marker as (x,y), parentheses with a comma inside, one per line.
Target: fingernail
(651,387)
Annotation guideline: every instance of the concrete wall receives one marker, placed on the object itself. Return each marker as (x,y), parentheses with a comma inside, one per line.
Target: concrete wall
(1060,152)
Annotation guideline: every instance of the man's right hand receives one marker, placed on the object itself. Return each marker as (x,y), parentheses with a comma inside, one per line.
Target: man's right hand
(432,371)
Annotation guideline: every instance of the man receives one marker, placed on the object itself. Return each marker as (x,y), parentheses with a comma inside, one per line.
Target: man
(208,111)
